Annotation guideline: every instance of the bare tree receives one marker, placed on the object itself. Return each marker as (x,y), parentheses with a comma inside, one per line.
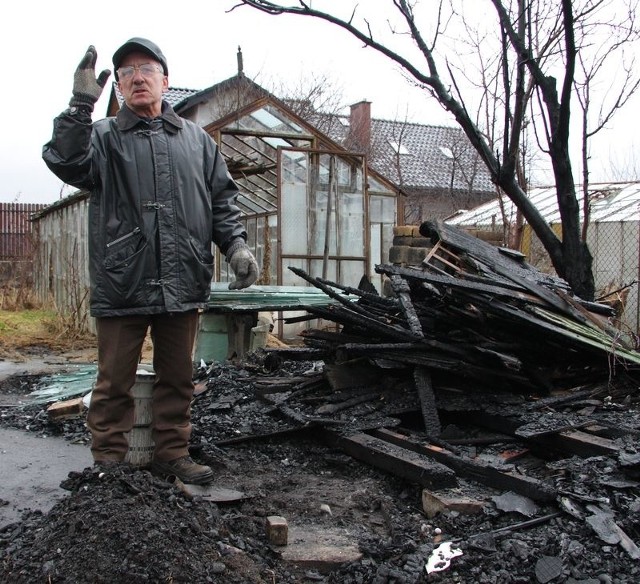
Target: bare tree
(627,169)
(596,61)
(538,70)
(312,94)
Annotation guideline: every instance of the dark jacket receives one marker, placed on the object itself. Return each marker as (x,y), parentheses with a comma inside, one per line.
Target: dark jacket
(160,194)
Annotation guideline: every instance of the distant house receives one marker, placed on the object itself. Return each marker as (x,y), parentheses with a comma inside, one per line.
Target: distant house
(313,199)
(613,237)
(436,167)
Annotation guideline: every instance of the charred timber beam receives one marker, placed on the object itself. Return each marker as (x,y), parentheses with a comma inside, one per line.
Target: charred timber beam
(576,442)
(595,321)
(297,319)
(509,529)
(549,296)
(423,357)
(551,327)
(367,297)
(561,400)
(610,431)
(568,441)
(385,315)
(327,290)
(490,256)
(419,348)
(421,375)
(464,284)
(295,388)
(422,379)
(458,366)
(332,408)
(396,460)
(302,419)
(381,308)
(403,291)
(336,314)
(479,472)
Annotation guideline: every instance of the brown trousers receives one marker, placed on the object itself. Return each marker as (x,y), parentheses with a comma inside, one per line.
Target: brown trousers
(111,413)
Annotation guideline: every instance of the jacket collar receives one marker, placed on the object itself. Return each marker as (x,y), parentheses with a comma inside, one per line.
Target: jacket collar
(127,119)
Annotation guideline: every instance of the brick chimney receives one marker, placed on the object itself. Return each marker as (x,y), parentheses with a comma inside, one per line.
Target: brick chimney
(360,126)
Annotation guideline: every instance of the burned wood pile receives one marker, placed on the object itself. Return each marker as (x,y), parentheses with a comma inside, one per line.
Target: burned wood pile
(473,349)
(471,319)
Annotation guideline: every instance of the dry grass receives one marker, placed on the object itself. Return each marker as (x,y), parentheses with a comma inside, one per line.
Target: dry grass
(27,328)
(36,331)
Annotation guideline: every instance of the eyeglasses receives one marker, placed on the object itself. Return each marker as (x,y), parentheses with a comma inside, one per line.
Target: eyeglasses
(146,70)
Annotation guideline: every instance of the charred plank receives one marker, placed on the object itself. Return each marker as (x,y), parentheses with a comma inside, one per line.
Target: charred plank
(396,460)
(479,472)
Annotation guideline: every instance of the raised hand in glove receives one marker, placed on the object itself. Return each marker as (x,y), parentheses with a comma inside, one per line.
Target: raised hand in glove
(243,264)
(86,88)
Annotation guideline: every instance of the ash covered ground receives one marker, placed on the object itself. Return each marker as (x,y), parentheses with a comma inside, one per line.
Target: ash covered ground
(126,526)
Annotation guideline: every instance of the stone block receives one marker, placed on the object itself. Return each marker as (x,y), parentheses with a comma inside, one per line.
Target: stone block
(433,503)
(277,530)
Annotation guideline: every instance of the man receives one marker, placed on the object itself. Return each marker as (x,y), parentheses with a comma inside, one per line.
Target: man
(160,194)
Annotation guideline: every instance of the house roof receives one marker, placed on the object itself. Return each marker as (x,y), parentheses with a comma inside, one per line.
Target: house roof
(176,95)
(609,202)
(430,157)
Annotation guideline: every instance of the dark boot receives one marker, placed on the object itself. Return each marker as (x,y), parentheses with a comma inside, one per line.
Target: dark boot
(184,469)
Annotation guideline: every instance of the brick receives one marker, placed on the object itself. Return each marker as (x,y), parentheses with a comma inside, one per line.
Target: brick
(66,409)
(398,254)
(404,230)
(277,530)
(412,241)
(415,255)
(433,503)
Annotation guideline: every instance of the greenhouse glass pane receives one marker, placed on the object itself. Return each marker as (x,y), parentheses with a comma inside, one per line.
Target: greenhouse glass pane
(351,272)
(351,223)
(317,269)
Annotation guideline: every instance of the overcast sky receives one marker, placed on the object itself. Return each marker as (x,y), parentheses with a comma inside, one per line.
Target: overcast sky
(41,44)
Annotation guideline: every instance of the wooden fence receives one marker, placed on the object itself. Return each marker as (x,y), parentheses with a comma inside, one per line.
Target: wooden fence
(61,267)
(16,239)
(16,242)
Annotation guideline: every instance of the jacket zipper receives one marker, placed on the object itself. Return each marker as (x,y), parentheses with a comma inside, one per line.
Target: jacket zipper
(124,237)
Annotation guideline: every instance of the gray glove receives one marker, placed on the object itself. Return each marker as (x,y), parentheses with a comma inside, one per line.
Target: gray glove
(86,88)
(243,264)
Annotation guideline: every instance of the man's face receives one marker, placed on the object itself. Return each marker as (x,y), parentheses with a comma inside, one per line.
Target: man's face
(142,82)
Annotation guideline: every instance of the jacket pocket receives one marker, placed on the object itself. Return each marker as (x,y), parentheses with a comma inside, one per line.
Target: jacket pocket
(198,271)
(204,256)
(124,273)
(121,241)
